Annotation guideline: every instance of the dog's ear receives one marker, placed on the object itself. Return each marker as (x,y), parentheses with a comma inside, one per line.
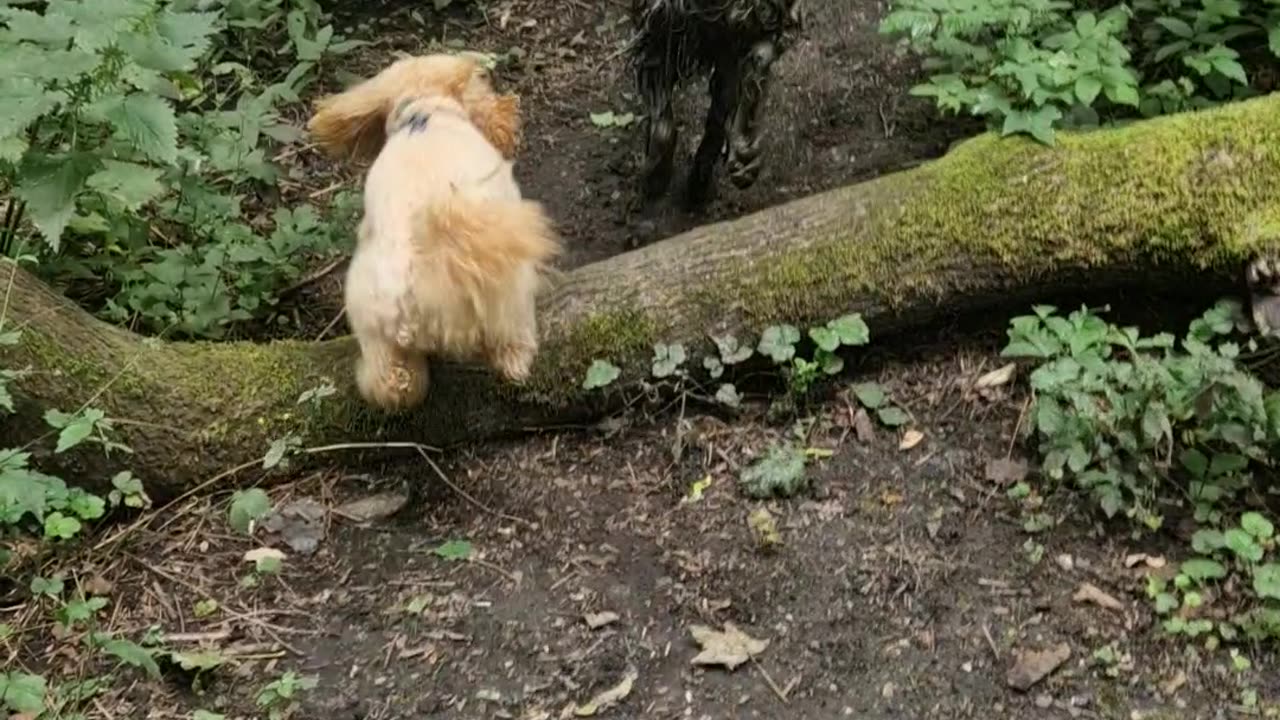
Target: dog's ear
(352,124)
(498,118)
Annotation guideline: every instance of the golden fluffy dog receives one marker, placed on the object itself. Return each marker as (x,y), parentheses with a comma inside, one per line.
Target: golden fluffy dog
(449,257)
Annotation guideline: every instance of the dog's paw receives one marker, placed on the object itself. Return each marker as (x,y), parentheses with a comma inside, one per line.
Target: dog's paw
(1262,276)
(514,362)
(744,165)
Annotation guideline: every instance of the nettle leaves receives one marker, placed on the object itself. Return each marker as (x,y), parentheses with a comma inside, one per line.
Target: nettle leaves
(778,343)
(105,121)
(121,49)
(1034,66)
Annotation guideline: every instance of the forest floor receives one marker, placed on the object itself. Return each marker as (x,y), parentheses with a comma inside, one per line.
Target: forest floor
(520,579)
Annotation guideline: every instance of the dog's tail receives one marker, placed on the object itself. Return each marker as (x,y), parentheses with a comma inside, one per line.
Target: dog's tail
(484,242)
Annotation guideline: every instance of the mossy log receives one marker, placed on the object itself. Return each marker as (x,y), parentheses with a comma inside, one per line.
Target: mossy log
(1186,195)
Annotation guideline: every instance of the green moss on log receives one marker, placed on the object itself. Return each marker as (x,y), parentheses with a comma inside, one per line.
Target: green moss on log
(1194,193)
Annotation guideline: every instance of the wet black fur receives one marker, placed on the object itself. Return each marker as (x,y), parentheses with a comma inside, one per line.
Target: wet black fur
(735,42)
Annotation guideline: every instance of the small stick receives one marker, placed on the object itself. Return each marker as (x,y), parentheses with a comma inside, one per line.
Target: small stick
(769,680)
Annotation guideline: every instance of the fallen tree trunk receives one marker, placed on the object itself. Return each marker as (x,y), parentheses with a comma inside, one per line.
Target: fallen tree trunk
(1188,194)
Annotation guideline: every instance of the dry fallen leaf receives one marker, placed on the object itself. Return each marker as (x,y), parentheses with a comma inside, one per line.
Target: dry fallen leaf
(910,439)
(1032,666)
(98,585)
(1005,472)
(1088,592)
(608,698)
(764,528)
(863,428)
(600,619)
(300,524)
(1173,684)
(374,507)
(257,554)
(730,648)
(997,377)
(1152,561)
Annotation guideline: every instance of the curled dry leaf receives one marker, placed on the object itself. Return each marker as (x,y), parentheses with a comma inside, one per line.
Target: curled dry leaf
(910,439)
(1154,562)
(1004,472)
(600,619)
(1032,666)
(1088,592)
(257,554)
(608,698)
(729,648)
(374,507)
(996,378)
(863,428)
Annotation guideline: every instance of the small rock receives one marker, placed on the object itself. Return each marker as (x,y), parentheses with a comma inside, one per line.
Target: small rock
(1066,562)
(1032,666)
(1044,700)
(888,690)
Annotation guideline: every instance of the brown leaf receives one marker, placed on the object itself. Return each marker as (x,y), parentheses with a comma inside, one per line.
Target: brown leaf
(98,585)
(1005,472)
(863,428)
(1152,561)
(995,378)
(1032,666)
(600,619)
(374,507)
(1088,592)
(257,554)
(608,698)
(910,439)
(730,648)
(1173,684)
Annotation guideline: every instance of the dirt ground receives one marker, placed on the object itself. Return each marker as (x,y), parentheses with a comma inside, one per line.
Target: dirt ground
(904,585)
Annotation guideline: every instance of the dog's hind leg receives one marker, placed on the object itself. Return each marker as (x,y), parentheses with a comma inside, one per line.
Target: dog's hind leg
(744,137)
(657,82)
(511,337)
(724,98)
(388,376)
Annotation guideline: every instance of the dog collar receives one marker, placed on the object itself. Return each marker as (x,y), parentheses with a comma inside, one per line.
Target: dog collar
(416,121)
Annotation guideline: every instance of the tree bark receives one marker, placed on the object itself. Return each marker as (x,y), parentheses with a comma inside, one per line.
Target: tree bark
(1187,195)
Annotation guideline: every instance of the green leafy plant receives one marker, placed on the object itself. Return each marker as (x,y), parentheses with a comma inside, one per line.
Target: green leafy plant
(453,550)
(874,398)
(1148,425)
(779,473)
(127,166)
(247,508)
(1031,66)
(279,696)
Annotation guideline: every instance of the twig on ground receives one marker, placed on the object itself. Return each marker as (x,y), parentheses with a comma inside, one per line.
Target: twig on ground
(311,278)
(782,695)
